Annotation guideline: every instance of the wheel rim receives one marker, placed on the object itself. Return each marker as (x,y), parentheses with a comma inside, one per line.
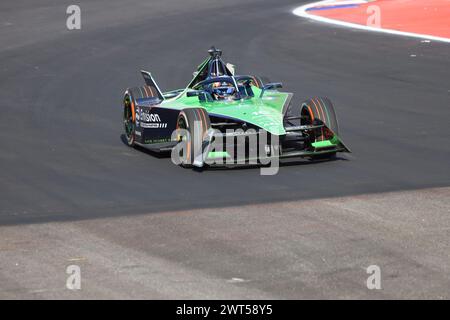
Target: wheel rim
(307,119)
(128,119)
(181,124)
(306,116)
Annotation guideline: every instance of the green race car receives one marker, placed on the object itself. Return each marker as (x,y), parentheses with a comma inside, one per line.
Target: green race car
(223,118)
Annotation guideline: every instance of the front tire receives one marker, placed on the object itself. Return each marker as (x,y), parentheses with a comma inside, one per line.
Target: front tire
(195,121)
(317,111)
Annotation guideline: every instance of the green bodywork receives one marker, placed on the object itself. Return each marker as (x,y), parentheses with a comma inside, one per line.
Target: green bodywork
(323,144)
(218,154)
(265,112)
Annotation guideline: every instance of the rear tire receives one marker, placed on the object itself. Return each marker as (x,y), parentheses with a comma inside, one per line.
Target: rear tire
(196,122)
(257,82)
(128,121)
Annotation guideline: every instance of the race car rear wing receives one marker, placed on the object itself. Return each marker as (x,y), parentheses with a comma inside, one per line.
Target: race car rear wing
(149,81)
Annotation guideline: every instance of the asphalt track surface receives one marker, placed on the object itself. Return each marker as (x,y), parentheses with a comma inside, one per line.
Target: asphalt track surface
(63,157)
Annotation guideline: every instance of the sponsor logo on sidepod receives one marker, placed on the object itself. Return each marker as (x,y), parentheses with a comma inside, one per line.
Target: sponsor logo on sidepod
(149,120)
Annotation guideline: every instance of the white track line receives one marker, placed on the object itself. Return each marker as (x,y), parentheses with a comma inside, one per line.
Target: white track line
(301,12)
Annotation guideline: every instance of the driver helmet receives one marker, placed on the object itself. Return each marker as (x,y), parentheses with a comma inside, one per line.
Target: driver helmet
(222,90)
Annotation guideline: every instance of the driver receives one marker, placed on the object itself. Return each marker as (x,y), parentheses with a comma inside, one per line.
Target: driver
(222,91)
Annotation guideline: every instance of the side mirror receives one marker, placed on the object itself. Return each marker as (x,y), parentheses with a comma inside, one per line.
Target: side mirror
(193,93)
(201,94)
(270,86)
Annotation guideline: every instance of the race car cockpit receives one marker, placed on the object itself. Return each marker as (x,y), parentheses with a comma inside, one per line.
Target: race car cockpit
(217,83)
(226,88)
(219,88)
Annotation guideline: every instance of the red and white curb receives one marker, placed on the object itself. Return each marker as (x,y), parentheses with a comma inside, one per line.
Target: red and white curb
(302,12)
